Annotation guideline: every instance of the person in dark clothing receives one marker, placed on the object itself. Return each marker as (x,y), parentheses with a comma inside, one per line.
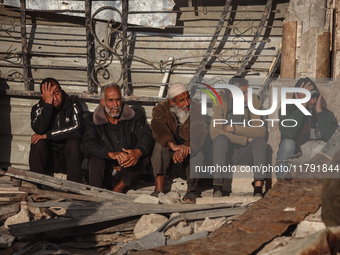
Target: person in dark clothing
(57,122)
(318,126)
(117,141)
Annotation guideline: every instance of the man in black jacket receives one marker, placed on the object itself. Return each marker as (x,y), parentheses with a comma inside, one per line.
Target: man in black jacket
(57,122)
(117,141)
(318,126)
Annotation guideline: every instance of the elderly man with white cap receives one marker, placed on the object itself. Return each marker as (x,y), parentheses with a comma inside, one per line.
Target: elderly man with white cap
(170,125)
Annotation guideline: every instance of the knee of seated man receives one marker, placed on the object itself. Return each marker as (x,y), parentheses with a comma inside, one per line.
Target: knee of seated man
(287,143)
(221,140)
(260,141)
(72,144)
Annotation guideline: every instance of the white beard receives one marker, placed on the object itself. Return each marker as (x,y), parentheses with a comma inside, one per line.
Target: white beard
(181,115)
(108,110)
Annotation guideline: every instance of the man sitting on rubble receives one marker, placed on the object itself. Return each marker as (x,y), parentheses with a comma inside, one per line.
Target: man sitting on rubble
(57,122)
(170,125)
(237,144)
(319,126)
(116,141)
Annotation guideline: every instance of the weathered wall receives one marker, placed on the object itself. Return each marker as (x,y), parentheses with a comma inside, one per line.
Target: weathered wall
(313,20)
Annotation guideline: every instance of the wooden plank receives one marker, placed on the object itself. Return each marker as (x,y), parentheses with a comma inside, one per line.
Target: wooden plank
(114,226)
(10,209)
(57,195)
(66,185)
(99,212)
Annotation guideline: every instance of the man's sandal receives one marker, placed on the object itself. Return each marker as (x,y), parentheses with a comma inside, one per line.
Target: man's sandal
(191,196)
(155,193)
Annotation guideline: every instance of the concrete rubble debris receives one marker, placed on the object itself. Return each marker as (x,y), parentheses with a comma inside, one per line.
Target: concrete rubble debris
(176,232)
(171,197)
(6,241)
(179,184)
(146,199)
(21,217)
(211,225)
(148,224)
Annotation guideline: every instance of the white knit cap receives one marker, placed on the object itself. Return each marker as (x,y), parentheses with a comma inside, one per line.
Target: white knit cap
(175,89)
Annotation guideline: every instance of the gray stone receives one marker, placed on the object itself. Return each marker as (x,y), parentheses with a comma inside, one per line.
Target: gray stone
(147,199)
(172,197)
(211,225)
(6,241)
(179,231)
(148,224)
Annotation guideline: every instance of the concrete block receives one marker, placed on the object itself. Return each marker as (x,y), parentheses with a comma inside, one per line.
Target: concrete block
(179,231)
(147,199)
(211,225)
(148,224)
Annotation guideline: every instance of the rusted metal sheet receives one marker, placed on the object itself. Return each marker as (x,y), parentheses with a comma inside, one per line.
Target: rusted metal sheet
(262,222)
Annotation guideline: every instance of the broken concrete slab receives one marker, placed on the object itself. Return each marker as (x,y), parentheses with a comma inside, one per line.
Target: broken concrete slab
(148,224)
(211,225)
(146,199)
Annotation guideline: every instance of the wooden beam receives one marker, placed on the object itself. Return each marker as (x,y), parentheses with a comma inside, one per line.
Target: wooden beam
(288,56)
(65,185)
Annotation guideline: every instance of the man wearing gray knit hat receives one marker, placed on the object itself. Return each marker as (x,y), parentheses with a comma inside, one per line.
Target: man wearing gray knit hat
(170,126)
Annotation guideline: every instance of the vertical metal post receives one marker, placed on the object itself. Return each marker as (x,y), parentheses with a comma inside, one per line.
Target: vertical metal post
(89,46)
(24,44)
(125,9)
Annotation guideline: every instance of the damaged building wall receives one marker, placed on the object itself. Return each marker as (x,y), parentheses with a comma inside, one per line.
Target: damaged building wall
(313,38)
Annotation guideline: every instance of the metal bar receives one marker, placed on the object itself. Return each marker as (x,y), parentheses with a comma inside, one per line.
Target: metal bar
(212,44)
(165,77)
(205,11)
(85,96)
(24,44)
(125,9)
(89,46)
(256,37)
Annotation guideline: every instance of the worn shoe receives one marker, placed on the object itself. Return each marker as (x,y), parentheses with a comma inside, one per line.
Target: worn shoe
(191,196)
(218,192)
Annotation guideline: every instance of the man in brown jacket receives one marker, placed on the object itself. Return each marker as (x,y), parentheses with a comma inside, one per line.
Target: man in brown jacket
(237,144)
(170,125)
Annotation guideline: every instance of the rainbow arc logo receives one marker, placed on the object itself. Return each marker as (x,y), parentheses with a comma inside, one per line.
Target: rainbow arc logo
(209,93)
